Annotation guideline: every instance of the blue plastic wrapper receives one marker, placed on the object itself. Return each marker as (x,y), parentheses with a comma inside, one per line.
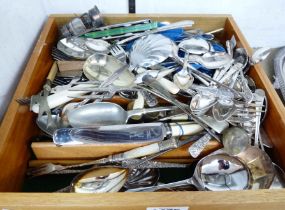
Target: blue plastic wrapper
(202,69)
(217,47)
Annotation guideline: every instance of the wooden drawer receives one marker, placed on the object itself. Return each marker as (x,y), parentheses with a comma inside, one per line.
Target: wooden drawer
(18,127)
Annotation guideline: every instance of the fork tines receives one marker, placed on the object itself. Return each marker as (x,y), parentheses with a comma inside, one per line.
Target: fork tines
(59,55)
(23,101)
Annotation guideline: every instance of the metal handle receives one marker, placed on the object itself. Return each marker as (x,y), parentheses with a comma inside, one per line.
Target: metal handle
(162,186)
(196,148)
(149,110)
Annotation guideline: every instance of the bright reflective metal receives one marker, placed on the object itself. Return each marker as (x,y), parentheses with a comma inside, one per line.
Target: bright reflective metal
(196,46)
(219,172)
(99,180)
(101,66)
(235,140)
(150,50)
(142,178)
(106,113)
(260,166)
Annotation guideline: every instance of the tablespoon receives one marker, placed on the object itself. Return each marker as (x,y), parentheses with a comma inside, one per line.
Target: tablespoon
(219,172)
(106,113)
(170,50)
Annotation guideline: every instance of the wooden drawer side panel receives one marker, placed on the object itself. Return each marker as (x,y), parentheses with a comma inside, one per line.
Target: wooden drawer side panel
(18,125)
(274,123)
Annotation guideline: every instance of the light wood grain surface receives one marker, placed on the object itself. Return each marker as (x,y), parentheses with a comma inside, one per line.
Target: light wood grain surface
(48,150)
(237,200)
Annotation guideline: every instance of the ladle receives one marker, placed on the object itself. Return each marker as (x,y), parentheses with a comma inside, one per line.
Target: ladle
(214,173)
(260,166)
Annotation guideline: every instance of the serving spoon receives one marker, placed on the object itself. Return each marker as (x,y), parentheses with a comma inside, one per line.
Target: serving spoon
(106,113)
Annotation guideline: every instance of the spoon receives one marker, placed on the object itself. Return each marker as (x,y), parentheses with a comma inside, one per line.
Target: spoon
(195,46)
(260,166)
(106,113)
(99,180)
(260,55)
(100,67)
(219,172)
(201,103)
(182,78)
(211,60)
(108,180)
(235,140)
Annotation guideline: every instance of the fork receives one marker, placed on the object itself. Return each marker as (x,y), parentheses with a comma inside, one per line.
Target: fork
(108,92)
(58,81)
(118,52)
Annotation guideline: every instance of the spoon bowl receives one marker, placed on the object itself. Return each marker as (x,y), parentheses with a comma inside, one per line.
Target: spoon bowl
(260,165)
(195,46)
(99,180)
(235,140)
(101,66)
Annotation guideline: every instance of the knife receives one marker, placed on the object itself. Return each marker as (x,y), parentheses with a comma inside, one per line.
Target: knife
(132,133)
